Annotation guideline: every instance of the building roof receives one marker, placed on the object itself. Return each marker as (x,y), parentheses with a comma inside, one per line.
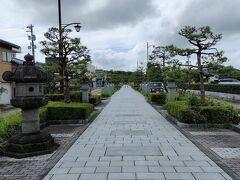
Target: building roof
(17,61)
(8,44)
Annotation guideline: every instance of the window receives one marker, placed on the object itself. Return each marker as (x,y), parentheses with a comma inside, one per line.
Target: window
(7,56)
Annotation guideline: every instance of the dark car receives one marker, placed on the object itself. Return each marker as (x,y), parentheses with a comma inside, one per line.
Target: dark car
(155,87)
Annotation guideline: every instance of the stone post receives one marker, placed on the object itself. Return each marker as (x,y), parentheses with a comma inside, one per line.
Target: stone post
(30,121)
(171,90)
(85,93)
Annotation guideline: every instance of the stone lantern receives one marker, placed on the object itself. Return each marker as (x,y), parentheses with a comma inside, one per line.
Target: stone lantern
(29,96)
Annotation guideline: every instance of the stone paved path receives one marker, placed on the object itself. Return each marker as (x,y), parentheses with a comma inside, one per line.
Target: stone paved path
(130,140)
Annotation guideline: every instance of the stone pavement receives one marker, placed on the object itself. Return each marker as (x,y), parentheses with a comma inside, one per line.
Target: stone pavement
(223,145)
(131,140)
(34,168)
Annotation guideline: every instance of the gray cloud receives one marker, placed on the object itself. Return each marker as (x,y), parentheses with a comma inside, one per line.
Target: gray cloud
(94,14)
(116,31)
(222,15)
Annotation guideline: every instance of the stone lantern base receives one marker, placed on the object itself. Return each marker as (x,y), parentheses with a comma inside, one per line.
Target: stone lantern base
(26,145)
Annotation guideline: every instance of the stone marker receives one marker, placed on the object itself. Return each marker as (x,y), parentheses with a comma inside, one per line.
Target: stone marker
(85,93)
(171,90)
(29,80)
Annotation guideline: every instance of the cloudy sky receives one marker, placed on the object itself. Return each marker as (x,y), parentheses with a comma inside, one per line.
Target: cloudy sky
(116,31)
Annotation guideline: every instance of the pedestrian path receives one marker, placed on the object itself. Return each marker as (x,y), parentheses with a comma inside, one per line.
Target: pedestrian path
(130,140)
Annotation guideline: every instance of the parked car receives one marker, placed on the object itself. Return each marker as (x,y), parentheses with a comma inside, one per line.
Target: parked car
(155,87)
(213,79)
(229,81)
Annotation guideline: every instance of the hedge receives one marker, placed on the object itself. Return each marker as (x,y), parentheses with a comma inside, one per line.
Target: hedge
(159,98)
(216,114)
(94,99)
(232,89)
(75,96)
(43,114)
(11,125)
(70,111)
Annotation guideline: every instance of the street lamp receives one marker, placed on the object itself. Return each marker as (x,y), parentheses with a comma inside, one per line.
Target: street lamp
(61,30)
(77,26)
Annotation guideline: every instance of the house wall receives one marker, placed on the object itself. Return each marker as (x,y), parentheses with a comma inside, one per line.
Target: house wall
(6,66)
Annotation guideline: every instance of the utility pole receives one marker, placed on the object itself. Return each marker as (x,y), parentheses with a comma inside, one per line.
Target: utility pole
(147,52)
(61,72)
(31,37)
(148,46)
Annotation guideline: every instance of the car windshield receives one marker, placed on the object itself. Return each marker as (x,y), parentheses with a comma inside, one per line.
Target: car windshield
(157,84)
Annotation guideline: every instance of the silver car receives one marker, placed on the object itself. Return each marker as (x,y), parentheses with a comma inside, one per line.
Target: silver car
(229,81)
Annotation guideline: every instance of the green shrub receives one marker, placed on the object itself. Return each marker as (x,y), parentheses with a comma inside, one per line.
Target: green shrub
(63,111)
(192,117)
(159,98)
(76,96)
(117,87)
(43,114)
(94,99)
(216,114)
(175,108)
(55,97)
(105,94)
(236,117)
(194,100)
(233,89)
(10,126)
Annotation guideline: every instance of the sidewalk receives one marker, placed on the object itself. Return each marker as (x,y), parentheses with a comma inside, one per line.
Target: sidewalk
(131,140)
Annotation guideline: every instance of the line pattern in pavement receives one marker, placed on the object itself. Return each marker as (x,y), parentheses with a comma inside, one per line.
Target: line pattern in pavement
(131,140)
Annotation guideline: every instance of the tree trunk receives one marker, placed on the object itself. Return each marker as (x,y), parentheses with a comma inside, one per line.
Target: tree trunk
(61,81)
(66,86)
(66,91)
(201,78)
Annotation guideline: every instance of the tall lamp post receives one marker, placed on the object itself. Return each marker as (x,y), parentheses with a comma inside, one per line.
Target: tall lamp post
(61,28)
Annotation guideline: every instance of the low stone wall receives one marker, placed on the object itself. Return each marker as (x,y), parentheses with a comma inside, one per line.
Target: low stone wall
(218,95)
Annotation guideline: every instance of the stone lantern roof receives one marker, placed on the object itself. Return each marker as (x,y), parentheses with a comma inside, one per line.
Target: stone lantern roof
(28,72)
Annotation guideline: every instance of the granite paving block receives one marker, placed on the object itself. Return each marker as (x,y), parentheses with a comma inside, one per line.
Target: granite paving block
(150,176)
(130,132)
(78,170)
(208,176)
(161,169)
(121,176)
(133,151)
(65,177)
(179,176)
(97,176)
(104,169)
(135,169)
